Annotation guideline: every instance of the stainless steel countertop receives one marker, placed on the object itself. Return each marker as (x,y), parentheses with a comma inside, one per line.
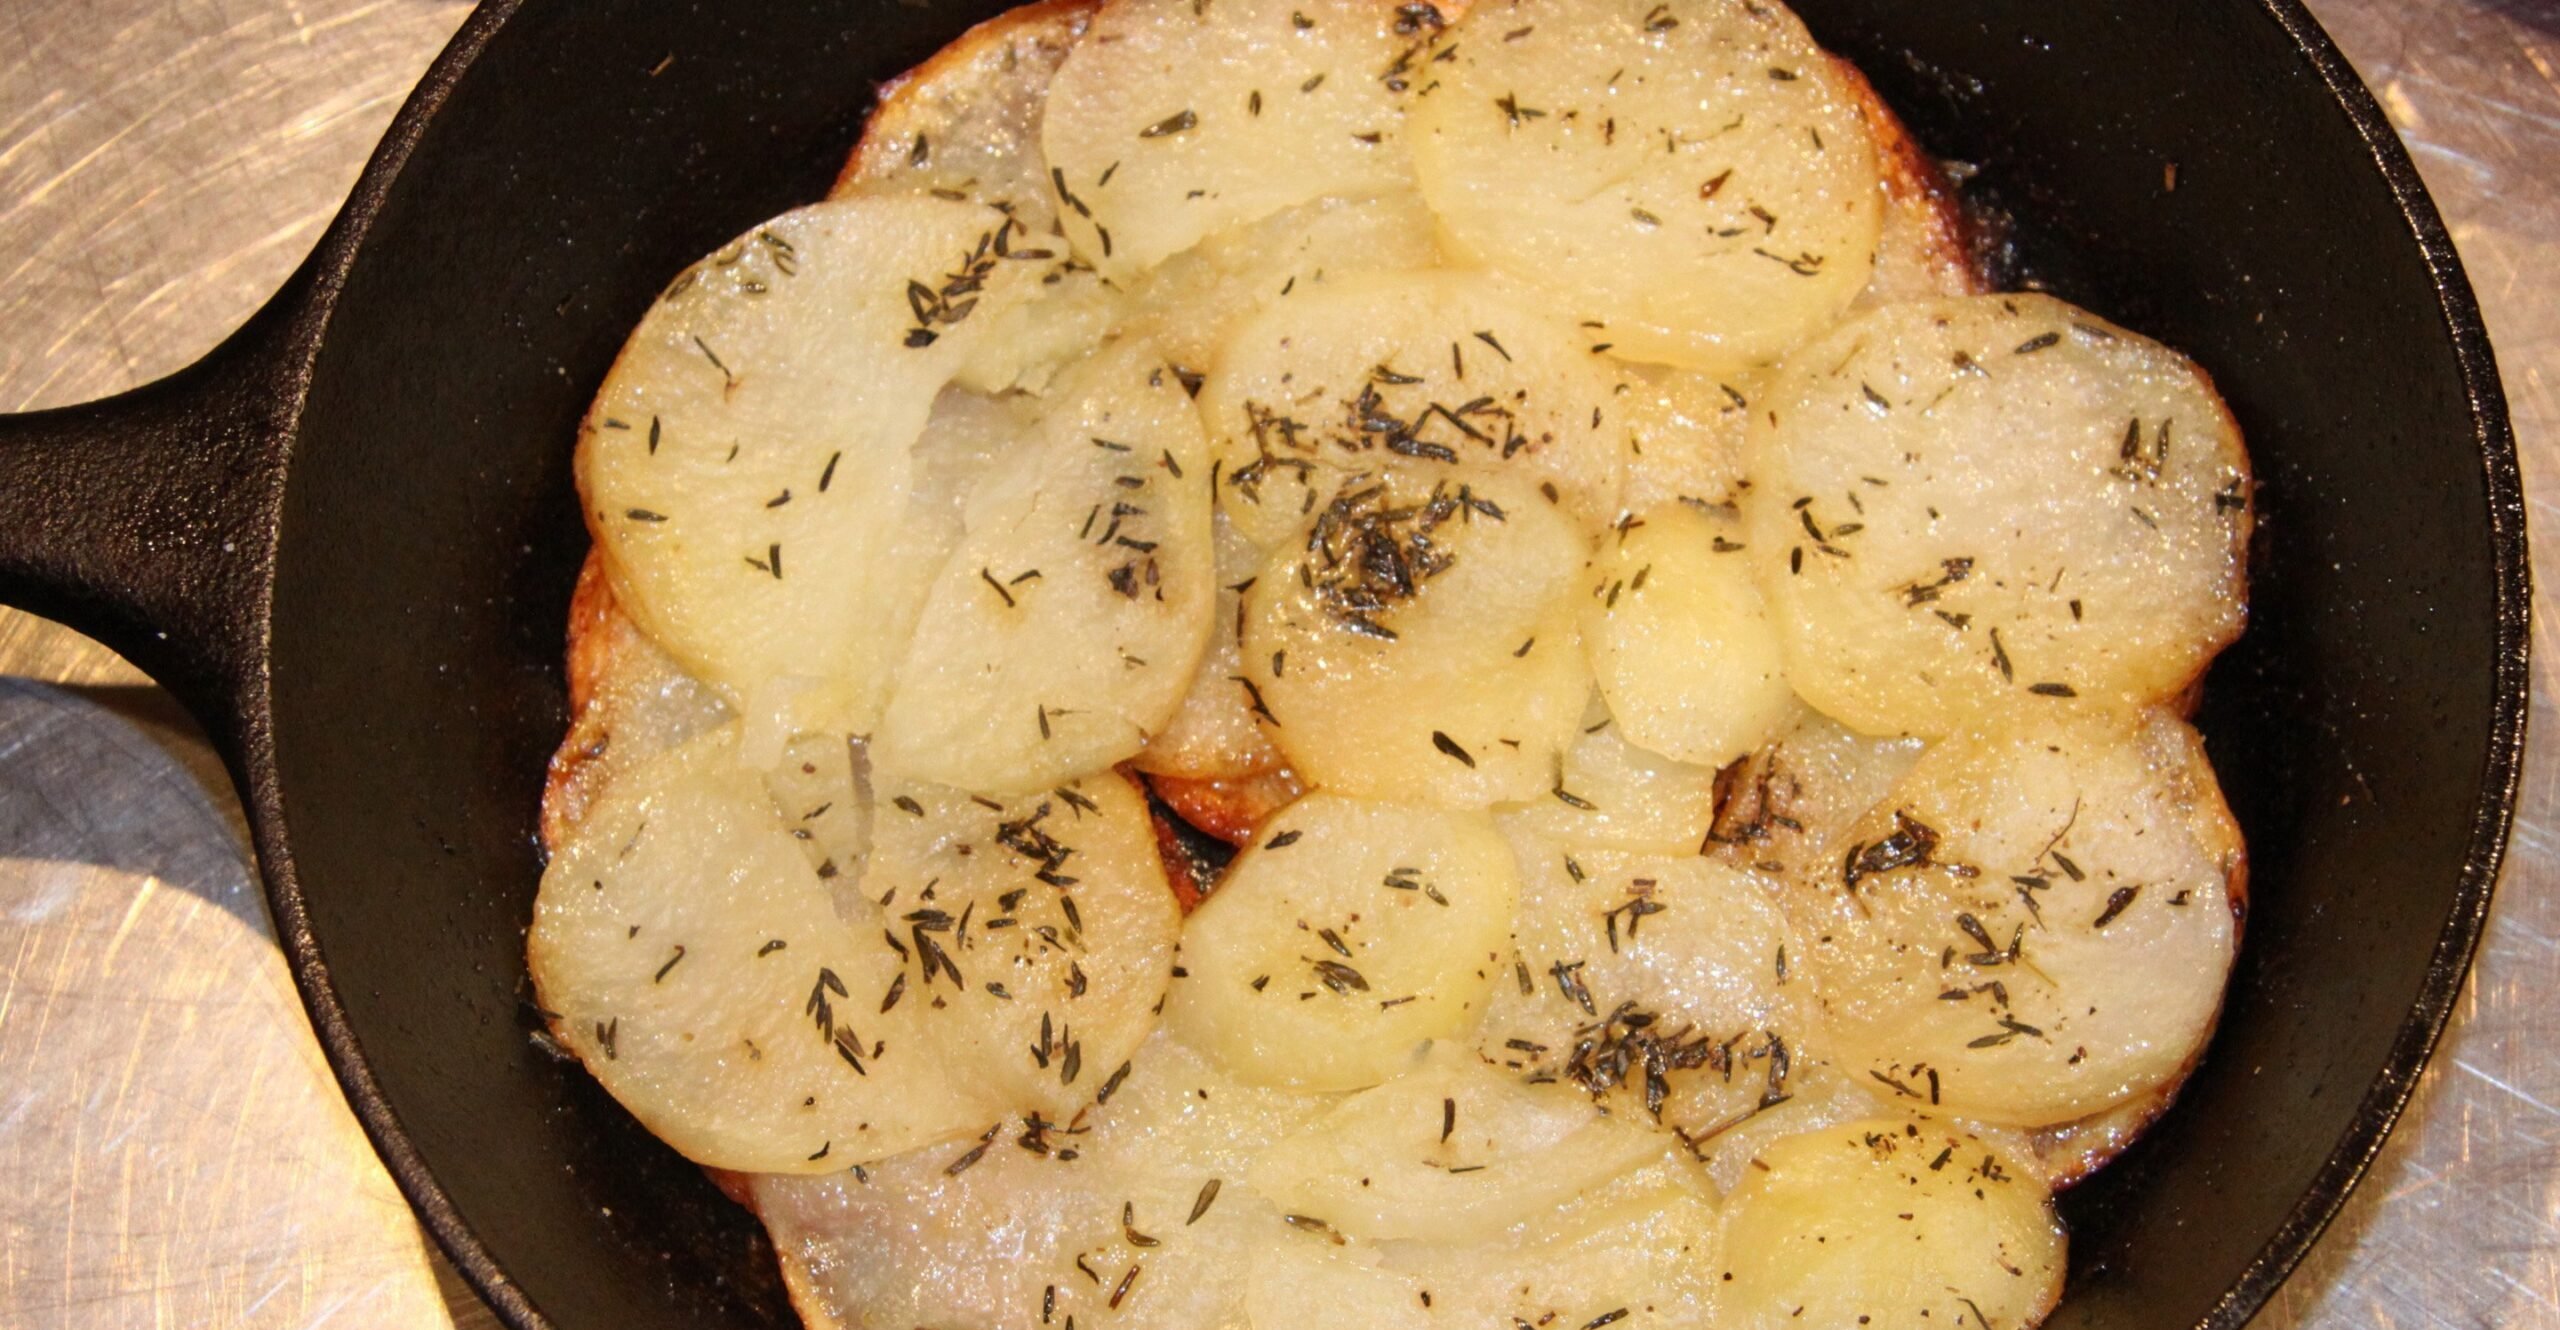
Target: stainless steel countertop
(173,1151)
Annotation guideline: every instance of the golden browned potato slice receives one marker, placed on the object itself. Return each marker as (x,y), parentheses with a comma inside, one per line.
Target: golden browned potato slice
(1345,939)
(1692,176)
(748,464)
(1890,1222)
(1969,506)
(1430,372)
(1171,121)
(2035,925)
(1421,645)
(1063,631)
(1679,640)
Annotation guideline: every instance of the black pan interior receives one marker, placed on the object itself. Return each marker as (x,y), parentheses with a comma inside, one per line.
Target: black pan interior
(430,537)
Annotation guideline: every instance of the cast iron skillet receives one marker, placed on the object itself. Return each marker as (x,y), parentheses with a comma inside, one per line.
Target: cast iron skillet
(346,540)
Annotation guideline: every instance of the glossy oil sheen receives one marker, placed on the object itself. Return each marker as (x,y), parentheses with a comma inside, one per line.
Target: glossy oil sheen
(2365,727)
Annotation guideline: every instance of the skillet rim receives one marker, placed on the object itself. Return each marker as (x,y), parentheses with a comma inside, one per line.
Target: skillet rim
(341,248)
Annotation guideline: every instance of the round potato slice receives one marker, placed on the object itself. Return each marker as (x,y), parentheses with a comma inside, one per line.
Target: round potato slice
(1679,641)
(1063,630)
(1966,506)
(1173,120)
(1693,176)
(1453,1151)
(1036,936)
(1431,372)
(697,964)
(1662,983)
(1685,433)
(1214,734)
(2036,924)
(1347,937)
(747,465)
(1889,1222)
(1421,646)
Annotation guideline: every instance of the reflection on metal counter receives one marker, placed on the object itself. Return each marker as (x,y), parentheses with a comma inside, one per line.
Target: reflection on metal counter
(173,1151)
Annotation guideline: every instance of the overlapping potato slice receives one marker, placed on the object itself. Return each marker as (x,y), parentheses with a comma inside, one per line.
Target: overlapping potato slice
(1346,938)
(1040,932)
(698,966)
(747,466)
(1890,1221)
(1433,372)
(1685,434)
(1972,505)
(968,121)
(710,956)
(1214,734)
(1197,298)
(1063,630)
(1692,175)
(1679,640)
(1173,120)
(1790,805)
(1047,1221)
(1615,795)
(1453,1151)
(1420,645)
(1639,1248)
(1663,983)
(2036,924)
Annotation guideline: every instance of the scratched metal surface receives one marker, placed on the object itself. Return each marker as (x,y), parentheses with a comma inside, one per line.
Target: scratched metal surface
(172,1150)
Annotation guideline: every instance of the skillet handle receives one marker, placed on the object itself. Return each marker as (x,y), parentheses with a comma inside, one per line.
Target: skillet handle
(147,521)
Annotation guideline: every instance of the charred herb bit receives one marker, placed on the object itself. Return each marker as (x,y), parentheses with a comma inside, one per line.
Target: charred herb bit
(1208,1197)
(1340,978)
(1452,748)
(1111,1085)
(977,1152)
(2053,690)
(1571,800)
(1908,846)
(1802,265)
(1636,908)
(1611,1317)
(1129,1227)
(1312,84)
(2039,342)
(607,1033)
(2117,902)
(1568,977)
(1180,122)
(1311,1224)
(956,296)
(990,579)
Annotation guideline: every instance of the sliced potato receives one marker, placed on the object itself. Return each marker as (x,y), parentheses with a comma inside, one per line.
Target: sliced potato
(1040,933)
(746,466)
(821,785)
(1192,303)
(1422,646)
(1171,121)
(1890,1221)
(2036,924)
(1306,1280)
(1615,795)
(1063,631)
(1453,1151)
(1679,641)
(1694,175)
(1644,1244)
(1792,803)
(1966,506)
(699,967)
(1685,434)
(1046,1223)
(1346,938)
(1661,983)
(1431,372)
(968,121)
(1215,734)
